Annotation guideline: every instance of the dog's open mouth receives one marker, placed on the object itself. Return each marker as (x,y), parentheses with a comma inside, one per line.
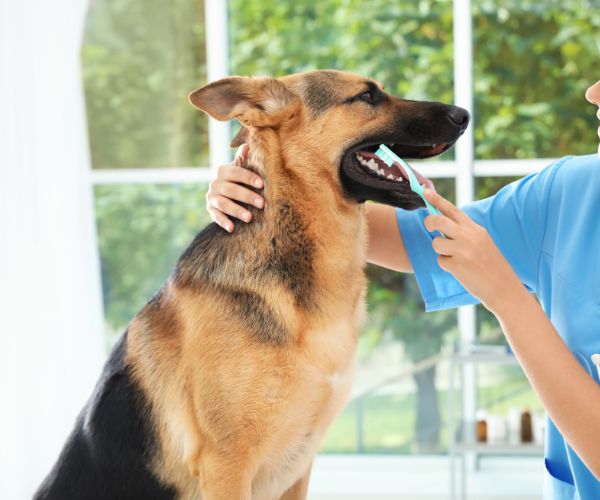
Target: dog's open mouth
(374,165)
(368,175)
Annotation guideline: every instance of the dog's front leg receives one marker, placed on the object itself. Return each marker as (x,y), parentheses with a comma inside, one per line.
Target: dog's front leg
(299,490)
(224,478)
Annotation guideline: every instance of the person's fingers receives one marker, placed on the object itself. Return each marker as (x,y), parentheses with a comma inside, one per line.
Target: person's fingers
(221,219)
(443,205)
(442,224)
(228,207)
(443,246)
(237,193)
(444,262)
(241,155)
(233,173)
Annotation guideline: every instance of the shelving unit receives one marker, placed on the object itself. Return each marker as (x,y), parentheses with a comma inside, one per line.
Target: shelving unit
(462,440)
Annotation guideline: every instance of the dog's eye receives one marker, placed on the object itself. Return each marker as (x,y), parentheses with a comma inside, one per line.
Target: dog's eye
(372,96)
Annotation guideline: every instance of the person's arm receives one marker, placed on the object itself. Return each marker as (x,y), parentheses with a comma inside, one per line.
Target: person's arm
(571,397)
(385,249)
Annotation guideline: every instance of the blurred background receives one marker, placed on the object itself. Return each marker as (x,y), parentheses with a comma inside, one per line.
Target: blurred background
(145,158)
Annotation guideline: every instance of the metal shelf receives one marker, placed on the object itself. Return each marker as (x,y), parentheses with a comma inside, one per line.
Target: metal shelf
(500,449)
(462,434)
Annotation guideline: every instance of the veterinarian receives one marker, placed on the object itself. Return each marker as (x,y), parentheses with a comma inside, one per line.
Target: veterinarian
(542,232)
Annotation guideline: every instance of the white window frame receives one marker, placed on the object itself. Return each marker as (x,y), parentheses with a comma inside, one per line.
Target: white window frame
(464,169)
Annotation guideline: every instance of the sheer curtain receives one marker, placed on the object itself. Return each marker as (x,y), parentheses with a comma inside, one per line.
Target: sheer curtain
(51,346)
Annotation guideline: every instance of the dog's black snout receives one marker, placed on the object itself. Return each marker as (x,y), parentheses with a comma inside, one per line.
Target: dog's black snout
(459,116)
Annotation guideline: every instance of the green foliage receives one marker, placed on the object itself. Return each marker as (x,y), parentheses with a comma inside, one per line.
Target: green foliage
(143,230)
(533,61)
(406,45)
(141,58)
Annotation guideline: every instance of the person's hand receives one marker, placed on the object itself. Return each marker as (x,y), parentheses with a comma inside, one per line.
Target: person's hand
(225,190)
(470,254)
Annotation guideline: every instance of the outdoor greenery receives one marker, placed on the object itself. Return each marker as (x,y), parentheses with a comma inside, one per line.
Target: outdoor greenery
(141,58)
(532,62)
(143,230)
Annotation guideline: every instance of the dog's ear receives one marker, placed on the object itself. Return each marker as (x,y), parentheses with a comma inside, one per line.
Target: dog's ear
(240,138)
(255,102)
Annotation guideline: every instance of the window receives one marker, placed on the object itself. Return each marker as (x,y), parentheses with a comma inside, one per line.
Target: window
(140,59)
(151,151)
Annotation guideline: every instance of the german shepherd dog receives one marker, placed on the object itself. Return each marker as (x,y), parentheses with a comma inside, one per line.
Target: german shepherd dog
(224,384)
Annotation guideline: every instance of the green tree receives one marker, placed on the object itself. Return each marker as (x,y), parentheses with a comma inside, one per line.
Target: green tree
(143,230)
(141,58)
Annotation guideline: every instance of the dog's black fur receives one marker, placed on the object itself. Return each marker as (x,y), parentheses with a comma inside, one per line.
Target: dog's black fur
(107,455)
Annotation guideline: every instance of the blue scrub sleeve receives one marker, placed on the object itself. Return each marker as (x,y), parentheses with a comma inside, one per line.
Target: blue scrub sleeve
(515,218)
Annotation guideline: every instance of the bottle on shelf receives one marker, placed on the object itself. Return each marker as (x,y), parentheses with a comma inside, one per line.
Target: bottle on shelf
(481,426)
(526,427)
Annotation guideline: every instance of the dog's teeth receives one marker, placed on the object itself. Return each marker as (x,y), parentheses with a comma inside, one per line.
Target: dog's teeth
(362,160)
(390,176)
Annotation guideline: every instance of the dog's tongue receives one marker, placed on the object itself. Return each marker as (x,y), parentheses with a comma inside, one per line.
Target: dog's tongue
(395,172)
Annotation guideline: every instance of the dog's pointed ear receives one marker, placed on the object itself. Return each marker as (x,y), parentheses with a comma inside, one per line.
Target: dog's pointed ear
(255,102)
(240,138)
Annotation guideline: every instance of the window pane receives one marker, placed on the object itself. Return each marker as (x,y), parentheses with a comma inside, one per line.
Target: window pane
(141,58)
(533,63)
(503,388)
(142,230)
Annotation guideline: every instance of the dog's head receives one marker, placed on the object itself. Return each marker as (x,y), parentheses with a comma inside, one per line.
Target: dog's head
(332,122)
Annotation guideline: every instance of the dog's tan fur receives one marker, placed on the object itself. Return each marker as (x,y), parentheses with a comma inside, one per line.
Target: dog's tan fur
(240,418)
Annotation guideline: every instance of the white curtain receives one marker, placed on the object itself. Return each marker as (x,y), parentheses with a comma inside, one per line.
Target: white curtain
(51,347)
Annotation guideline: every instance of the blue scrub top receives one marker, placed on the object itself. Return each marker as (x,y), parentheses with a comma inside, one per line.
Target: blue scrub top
(547,225)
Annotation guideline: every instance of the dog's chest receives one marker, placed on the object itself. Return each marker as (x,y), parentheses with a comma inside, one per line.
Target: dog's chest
(325,372)
(302,435)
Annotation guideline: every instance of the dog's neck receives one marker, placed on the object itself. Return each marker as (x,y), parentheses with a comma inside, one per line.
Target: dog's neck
(292,180)
(314,239)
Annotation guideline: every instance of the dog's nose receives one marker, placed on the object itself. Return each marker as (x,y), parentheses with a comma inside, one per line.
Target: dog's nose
(459,116)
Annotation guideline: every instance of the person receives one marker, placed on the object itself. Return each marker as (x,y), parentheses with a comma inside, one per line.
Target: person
(539,234)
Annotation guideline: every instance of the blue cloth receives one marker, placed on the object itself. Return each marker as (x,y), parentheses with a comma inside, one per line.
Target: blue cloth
(547,225)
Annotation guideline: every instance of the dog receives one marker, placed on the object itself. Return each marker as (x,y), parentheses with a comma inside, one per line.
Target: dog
(224,384)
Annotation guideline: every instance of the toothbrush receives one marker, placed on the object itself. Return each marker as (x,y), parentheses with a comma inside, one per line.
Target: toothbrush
(389,158)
